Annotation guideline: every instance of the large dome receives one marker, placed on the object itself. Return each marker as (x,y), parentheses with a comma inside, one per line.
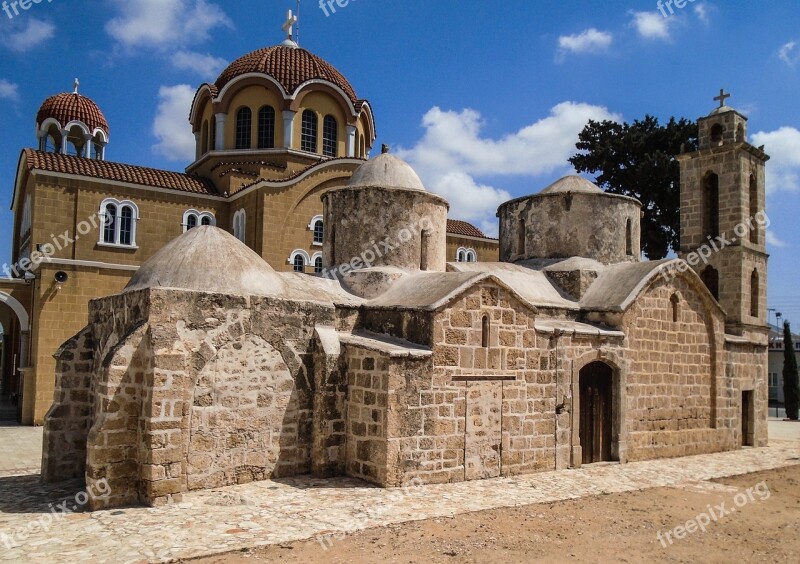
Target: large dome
(208,259)
(71,106)
(290,66)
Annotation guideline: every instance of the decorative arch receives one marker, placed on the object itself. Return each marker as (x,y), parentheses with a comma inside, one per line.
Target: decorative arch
(317,262)
(193,218)
(317,227)
(296,257)
(18,309)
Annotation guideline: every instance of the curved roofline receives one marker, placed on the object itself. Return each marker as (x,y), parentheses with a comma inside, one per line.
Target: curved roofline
(602,193)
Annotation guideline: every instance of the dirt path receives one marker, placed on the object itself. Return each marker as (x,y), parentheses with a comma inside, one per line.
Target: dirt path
(763,527)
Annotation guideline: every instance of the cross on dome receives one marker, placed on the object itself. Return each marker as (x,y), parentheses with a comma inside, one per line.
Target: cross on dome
(288,26)
(722,97)
(75,86)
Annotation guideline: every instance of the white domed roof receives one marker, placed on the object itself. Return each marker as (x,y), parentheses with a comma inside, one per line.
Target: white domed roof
(386,171)
(208,259)
(574,184)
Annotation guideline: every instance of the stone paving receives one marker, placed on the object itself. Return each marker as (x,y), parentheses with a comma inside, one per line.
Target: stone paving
(280,511)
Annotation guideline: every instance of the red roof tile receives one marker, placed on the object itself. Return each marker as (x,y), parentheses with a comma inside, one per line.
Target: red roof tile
(104,170)
(69,107)
(458,227)
(290,66)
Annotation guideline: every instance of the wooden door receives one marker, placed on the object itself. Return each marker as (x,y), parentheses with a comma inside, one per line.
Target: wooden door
(596,412)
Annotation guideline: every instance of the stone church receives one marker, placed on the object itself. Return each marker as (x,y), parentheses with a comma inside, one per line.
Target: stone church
(397,363)
(290,306)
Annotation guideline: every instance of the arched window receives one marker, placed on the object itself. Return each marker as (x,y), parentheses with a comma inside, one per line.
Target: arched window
(710,205)
(299,259)
(716,134)
(486,327)
(675,303)
(308,137)
(740,134)
(319,232)
(119,219)
(244,123)
(299,263)
(628,238)
(753,208)
(330,134)
(710,278)
(363,147)
(212,134)
(204,138)
(521,236)
(472,256)
(266,128)
(317,260)
(193,218)
(239,225)
(755,291)
(461,256)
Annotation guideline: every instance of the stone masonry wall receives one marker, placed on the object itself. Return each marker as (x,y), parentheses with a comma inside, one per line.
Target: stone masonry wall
(68,420)
(672,389)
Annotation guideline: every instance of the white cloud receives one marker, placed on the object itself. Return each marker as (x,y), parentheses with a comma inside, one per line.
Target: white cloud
(590,40)
(206,65)
(773,240)
(652,25)
(702,12)
(8,90)
(452,155)
(34,34)
(160,24)
(783,169)
(171,125)
(789,53)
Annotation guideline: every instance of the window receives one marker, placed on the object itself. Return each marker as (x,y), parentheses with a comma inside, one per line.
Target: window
(318,228)
(753,207)
(471,256)
(755,289)
(462,256)
(244,121)
(308,138)
(212,134)
(675,302)
(466,255)
(204,138)
(628,238)
(521,236)
(716,134)
(710,278)
(239,224)
(266,128)
(317,259)
(193,218)
(486,326)
(330,134)
(773,380)
(119,222)
(423,250)
(299,259)
(711,205)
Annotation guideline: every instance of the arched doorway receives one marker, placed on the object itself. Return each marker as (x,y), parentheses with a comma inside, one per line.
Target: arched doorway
(14,336)
(596,412)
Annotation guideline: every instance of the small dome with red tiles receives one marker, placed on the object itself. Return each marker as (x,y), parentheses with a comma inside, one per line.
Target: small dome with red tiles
(71,106)
(290,65)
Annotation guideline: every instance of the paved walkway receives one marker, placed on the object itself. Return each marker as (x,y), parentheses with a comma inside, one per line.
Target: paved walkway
(279,511)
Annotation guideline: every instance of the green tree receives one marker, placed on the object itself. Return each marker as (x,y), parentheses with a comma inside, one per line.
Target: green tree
(791,379)
(638,160)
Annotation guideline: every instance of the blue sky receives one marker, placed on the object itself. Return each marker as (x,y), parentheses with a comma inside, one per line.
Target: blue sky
(485,99)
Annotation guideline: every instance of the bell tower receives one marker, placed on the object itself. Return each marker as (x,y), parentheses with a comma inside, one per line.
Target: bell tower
(723,217)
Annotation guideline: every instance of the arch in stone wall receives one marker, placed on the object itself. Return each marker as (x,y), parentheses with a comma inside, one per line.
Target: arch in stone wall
(244,417)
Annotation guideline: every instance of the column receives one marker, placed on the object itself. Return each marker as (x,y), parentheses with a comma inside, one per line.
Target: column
(351,140)
(87,145)
(219,144)
(64,135)
(288,129)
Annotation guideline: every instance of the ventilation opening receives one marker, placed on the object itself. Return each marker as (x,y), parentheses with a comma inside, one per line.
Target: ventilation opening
(629,238)
(423,251)
(486,326)
(711,205)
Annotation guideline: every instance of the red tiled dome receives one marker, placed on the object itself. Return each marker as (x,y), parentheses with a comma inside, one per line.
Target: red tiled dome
(69,107)
(290,66)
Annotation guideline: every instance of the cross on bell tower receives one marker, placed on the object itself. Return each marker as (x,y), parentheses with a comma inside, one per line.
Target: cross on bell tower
(722,97)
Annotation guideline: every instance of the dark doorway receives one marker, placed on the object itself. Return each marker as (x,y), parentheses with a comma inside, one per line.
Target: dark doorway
(748,417)
(596,412)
